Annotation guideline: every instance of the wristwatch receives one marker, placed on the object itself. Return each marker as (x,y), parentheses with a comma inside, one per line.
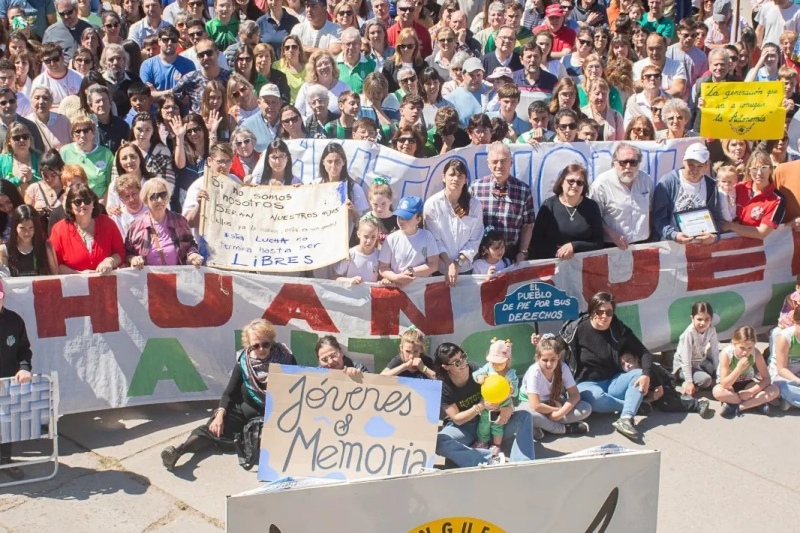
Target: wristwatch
(458,261)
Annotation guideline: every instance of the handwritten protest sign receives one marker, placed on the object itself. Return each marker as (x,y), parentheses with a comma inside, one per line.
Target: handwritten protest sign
(274,229)
(743,110)
(535,302)
(323,423)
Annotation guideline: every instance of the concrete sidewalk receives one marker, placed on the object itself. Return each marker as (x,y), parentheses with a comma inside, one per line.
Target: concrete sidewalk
(716,475)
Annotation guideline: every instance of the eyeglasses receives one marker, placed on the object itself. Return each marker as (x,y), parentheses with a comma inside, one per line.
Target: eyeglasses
(290,120)
(291,47)
(130,196)
(158,196)
(204,53)
(568,126)
(10,101)
(410,79)
(222,162)
(66,13)
(195,34)
(461,361)
(575,183)
(192,131)
(628,162)
(82,60)
(78,202)
(585,42)
(76,131)
(21,137)
(651,76)
(111,25)
(404,140)
(259,346)
(641,131)
(759,170)
(405,46)
(50,60)
(243,142)
(173,40)
(278,156)
(604,312)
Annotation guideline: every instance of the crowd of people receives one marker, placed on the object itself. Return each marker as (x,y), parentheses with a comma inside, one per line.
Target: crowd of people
(111,112)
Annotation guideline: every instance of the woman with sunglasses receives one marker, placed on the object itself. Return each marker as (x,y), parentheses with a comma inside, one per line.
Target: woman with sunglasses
(344,15)
(243,398)
(86,240)
(160,238)
(112,28)
(96,160)
(265,73)
(292,126)
(462,404)
(82,62)
(245,156)
(407,53)
(242,101)
(19,162)
(568,222)
(408,140)
(190,155)
(243,61)
(573,63)
(640,129)
(440,60)
(596,342)
(291,64)
(566,126)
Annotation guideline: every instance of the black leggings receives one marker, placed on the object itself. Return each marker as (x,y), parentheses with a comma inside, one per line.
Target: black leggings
(236,417)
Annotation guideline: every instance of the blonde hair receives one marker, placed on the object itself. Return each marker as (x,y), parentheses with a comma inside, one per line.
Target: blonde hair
(413,336)
(311,66)
(258,327)
(153,185)
(381,189)
(744,334)
(128,181)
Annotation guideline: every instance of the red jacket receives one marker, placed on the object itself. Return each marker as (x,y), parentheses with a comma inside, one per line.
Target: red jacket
(423,34)
(70,250)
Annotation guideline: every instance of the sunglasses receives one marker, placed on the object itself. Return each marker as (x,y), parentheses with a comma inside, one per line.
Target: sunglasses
(405,9)
(195,34)
(238,93)
(173,40)
(10,101)
(585,42)
(21,137)
(655,110)
(641,131)
(575,183)
(51,60)
(192,131)
(290,120)
(78,202)
(291,47)
(111,25)
(461,361)
(259,346)
(244,58)
(76,131)
(205,53)
(405,46)
(628,162)
(66,12)
(410,79)
(568,126)
(446,40)
(82,60)
(602,312)
(158,196)
(651,76)
(403,140)
(345,13)
(244,142)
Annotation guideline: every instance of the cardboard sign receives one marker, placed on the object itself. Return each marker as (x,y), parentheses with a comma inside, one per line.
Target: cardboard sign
(743,110)
(323,423)
(535,302)
(617,493)
(274,229)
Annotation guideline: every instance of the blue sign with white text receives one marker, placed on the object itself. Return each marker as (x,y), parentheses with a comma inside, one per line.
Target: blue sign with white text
(535,302)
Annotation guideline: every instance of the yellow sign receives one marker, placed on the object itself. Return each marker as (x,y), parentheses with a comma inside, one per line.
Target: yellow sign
(458,524)
(743,110)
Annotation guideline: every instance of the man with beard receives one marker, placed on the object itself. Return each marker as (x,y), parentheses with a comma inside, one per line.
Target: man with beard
(189,89)
(532,80)
(115,62)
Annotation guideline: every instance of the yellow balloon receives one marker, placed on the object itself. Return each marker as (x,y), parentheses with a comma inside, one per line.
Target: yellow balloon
(496,389)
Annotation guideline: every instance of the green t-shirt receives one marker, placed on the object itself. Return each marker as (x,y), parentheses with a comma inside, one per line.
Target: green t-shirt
(97,165)
(524,36)
(614,100)
(663,26)
(335,130)
(354,77)
(223,34)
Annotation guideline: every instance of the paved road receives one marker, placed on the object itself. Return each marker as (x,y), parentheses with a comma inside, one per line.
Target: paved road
(716,475)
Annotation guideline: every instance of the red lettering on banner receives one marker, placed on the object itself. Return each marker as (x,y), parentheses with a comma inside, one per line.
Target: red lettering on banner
(494,290)
(388,302)
(299,301)
(642,283)
(166,311)
(53,308)
(703,263)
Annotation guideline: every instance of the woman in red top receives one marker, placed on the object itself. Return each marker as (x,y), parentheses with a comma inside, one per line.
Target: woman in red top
(759,210)
(86,240)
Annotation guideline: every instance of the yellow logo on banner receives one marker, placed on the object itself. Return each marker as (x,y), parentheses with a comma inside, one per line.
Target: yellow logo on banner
(458,524)
(743,110)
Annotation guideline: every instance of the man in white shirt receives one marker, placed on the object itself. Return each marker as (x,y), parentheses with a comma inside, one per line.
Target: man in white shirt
(317,32)
(53,127)
(684,50)
(149,25)
(625,197)
(61,80)
(775,17)
(673,74)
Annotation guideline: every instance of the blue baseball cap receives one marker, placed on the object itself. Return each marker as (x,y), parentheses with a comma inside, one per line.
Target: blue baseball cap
(409,207)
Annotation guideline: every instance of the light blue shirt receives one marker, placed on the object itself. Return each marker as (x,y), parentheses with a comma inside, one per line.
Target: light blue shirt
(163,75)
(466,103)
(519,125)
(141,30)
(264,133)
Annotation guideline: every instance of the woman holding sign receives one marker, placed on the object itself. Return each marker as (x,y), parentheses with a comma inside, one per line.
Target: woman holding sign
(463,404)
(243,398)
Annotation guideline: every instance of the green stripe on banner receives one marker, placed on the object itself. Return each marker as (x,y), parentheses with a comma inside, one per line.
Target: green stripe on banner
(728,305)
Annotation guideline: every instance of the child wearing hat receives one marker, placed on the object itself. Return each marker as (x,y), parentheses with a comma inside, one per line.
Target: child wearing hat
(412,252)
(498,361)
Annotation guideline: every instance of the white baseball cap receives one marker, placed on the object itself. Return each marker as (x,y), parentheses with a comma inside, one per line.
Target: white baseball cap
(696,152)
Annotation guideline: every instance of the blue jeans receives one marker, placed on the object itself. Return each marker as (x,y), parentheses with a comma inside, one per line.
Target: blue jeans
(790,391)
(454,442)
(613,395)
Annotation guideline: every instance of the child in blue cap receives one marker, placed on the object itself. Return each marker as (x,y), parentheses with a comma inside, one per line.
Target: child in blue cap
(411,252)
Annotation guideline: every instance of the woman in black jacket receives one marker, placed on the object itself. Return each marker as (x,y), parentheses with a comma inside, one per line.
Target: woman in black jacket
(597,340)
(243,398)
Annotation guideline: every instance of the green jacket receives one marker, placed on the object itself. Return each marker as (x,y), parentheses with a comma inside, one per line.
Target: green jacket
(7,166)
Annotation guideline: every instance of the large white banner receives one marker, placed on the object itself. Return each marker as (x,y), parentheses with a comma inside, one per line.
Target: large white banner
(615,493)
(274,229)
(169,333)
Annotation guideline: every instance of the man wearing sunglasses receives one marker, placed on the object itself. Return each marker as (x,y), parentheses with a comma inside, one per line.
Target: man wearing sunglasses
(196,30)
(8,115)
(189,89)
(625,197)
(163,71)
(405,19)
(61,80)
(150,24)
(66,33)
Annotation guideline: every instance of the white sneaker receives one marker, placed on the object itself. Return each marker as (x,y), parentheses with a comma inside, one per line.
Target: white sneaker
(498,459)
(785,405)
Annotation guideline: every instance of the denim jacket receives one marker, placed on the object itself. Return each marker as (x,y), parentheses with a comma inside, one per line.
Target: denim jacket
(138,240)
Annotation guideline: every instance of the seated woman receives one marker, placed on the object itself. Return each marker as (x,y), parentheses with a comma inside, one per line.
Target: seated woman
(596,341)
(162,237)
(784,366)
(330,355)
(685,189)
(243,398)
(27,252)
(569,222)
(86,240)
(462,404)
(759,208)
